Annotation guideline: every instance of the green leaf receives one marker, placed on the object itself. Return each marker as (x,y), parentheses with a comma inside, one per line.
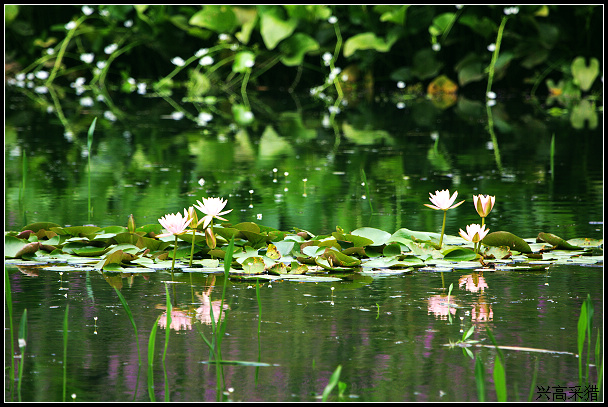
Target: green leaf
(500,381)
(585,75)
(364,41)
(480,379)
(377,236)
(243,61)
(556,241)
(296,47)
(459,254)
(333,381)
(242,114)
(218,18)
(393,13)
(35,227)
(582,112)
(16,248)
(274,29)
(502,238)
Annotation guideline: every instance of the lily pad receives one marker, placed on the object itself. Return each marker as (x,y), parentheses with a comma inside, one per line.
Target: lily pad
(556,241)
(35,227)
(377,236)
(16,248)
(502,238)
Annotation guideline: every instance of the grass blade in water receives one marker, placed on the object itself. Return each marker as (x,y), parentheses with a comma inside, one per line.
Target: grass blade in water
(151,343)
(167,332)
(9,307)
(480,380)
(333,381)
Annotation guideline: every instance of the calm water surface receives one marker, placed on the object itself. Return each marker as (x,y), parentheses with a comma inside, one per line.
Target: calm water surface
(292,170)
(388,333)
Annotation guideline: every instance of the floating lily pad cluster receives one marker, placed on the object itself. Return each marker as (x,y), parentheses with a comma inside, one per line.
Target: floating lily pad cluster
(265,252)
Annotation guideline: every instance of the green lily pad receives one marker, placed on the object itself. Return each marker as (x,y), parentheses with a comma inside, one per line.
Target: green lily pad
(556,241)
(253,265)
(502,238)
(35,227)
(459,254)
(377,236)
(16,248)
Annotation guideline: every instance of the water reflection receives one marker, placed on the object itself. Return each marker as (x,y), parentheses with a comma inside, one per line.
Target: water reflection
(481,310)
(208,311)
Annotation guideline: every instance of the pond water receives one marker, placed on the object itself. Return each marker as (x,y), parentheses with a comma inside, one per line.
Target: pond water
(387,333)
(294,169)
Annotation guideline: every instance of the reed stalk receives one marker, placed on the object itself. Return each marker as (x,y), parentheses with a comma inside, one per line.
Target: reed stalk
(22,343)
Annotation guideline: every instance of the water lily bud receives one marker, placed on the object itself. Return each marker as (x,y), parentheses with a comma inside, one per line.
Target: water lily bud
(131,224)
(210,238)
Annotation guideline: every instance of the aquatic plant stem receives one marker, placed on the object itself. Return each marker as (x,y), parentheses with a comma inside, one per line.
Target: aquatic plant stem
(167,332)
(89,145)
(64,45)
(192,249)
(445,213)
(22,342)
(9,307)
(65,350)
(174,254)
(495,55)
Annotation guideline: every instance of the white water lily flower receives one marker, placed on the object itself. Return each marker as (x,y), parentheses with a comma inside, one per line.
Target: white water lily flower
(174,224)
(475,233)
(483,204)
(442,200)
(212,208)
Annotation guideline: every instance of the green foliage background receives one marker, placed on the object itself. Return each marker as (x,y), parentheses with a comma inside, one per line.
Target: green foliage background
(381,43)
